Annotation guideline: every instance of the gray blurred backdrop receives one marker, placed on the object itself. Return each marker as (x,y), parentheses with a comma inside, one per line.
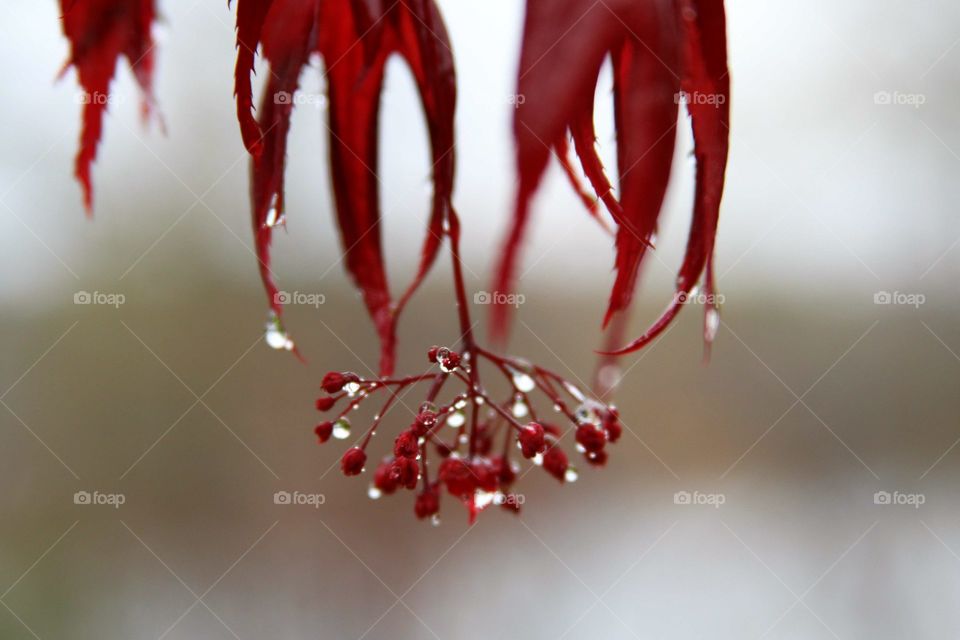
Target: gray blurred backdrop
(842,185)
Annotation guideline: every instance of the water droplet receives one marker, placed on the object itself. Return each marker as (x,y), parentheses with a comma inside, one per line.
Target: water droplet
(463,439)
(435,520)
(341,429)
(537,459)
(711,323)
(373,493)
(478,400)
(523,382)
(443,354)
(275,335)
(609,376)
(520,409)
(587,412)
(274,217)
(574,391)
(460,404)
(351,388)
(456,419)
(482,499)
(571,475)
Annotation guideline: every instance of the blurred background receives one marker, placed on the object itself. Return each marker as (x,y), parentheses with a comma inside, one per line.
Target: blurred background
(822,436)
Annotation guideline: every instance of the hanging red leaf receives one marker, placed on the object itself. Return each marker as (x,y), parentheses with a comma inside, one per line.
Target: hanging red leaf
(99,32)
(706,94)
(355,38)
(663,52)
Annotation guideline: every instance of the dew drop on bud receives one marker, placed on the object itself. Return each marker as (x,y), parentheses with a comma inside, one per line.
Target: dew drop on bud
(373,493)
(571,475)
(587,412)
(351,388)
(435,520)
(537,459)
(341,429)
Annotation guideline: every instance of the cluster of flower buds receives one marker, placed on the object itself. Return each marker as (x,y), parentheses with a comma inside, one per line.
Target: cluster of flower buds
(478,441)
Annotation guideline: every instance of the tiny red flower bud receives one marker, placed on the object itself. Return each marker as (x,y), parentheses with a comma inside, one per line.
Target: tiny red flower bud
(511,503)
(443,450)
(323,431)
(590,437)
(427,504)
(531,440)
(406,445)
(597,458)
(405,472)
(451,362)
(484,475)
(456,474)
(352,461)
(334,381)
(325,403)
(555,463)
(611,424)
(424,422)
(552,430)
(504,471)
(383,478)
(483,442)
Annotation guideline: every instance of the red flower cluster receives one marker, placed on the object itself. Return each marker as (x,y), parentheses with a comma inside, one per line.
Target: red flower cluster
(473,435)
(664,53)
